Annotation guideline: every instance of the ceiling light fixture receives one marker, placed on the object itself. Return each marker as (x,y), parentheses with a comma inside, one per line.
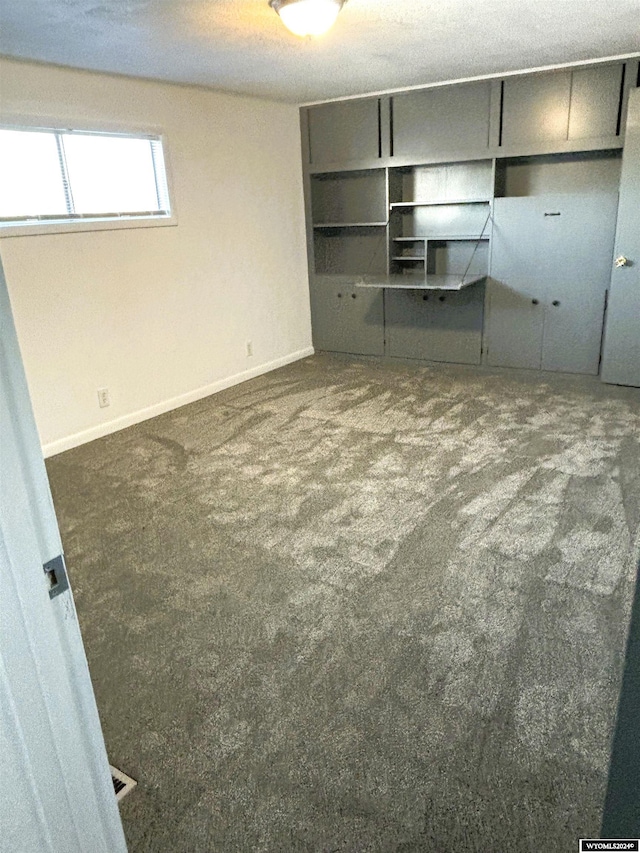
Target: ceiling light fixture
(307,17)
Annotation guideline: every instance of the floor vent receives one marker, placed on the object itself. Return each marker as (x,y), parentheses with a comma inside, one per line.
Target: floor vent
(122,783)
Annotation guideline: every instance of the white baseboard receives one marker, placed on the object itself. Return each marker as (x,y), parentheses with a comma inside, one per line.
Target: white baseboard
(78,438)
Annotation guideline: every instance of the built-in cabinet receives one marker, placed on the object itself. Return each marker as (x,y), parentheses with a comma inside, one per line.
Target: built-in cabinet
(535,109)
(436,233)
(553,228)
(550,269)
(562,110)
(344,132)
(471,223)
(444,123)
(435,325)
(521,115)
(347,318)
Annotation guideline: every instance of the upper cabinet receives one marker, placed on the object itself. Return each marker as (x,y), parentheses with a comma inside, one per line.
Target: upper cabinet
(448,122)
(344,132)
(551,112)
(562,110)
(595,102)
(535,109)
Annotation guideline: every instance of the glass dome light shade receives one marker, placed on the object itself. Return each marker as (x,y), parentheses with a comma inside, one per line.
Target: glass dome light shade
(307,17)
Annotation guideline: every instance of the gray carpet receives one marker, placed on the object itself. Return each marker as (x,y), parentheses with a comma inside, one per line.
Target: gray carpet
(350,606)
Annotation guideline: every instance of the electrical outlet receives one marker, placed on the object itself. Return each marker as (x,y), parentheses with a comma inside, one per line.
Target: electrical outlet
(249,349)
(103,398)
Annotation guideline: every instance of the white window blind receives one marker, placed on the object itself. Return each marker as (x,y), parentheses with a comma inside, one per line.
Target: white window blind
(55,176)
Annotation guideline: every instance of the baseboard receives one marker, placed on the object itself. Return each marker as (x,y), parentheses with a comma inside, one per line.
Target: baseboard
(78,438)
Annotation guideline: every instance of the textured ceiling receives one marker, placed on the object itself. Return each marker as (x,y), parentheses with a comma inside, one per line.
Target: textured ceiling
(241,46)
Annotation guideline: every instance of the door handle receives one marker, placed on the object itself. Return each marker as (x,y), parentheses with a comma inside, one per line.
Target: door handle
(621,261)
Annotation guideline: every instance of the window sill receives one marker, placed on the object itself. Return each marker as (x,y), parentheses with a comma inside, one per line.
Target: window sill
(31,229)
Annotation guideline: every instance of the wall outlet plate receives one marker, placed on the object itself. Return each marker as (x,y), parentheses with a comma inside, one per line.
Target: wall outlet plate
(103,398)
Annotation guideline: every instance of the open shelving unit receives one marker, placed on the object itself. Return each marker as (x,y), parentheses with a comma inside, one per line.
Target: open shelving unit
(438,225)
(350,214)
(349,198)
(419,227)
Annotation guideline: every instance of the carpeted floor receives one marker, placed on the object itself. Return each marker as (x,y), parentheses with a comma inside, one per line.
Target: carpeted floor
(350,606)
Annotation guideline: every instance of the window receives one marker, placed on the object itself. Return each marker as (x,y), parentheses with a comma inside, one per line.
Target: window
(61,178)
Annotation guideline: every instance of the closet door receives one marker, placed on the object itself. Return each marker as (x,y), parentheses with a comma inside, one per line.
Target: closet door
(621,352)
(516,287)
(578,246)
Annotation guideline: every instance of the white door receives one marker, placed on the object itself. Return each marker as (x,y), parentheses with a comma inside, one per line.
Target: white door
(57,794)
(621,350)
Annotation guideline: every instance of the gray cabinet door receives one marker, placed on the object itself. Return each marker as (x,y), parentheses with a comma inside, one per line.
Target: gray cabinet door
(535,109)
(435,326)
(452,122)
(346,318)
(516,288)
(578,246)
(595,101)
(621,351)
(549,274)
(340,133)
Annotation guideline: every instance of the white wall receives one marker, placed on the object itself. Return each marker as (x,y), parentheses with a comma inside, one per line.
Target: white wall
(161,316)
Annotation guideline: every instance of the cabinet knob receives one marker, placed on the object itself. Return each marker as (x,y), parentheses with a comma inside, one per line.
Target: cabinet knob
(534,301)
(425,298)
(441,298)
(339,295)
(621,261)
(353,295)
(556,302)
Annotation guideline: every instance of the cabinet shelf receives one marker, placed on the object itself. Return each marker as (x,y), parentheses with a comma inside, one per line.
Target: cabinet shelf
(408,258)
(408,205)
(435,238)
(349,224)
